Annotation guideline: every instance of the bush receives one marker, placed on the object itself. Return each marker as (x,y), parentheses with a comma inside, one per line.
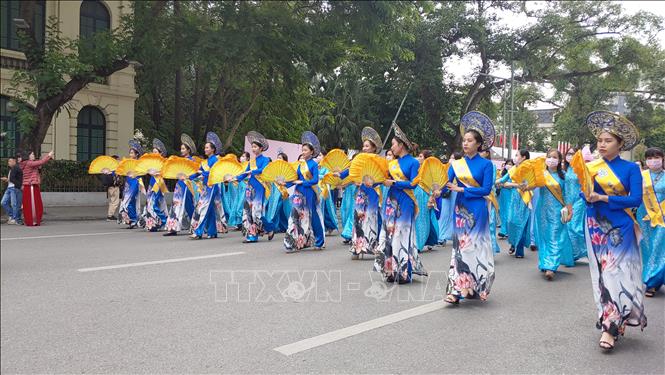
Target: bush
(63,176)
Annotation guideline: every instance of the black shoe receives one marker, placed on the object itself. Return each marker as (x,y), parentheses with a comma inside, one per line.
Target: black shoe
(271,235)
(533,248)
(170,234)
(511,251)
(132,226)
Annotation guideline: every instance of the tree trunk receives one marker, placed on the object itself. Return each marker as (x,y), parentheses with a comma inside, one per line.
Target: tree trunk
(156,110)
(177,110)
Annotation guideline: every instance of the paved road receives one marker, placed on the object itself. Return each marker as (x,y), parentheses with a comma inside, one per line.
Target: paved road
(95,303)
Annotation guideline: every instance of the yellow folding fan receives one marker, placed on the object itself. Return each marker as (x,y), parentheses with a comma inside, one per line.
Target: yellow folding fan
(433,174)
(530,172)
(231,157)
(103,164)
(151,163)
(335,161)
(279,171)
(583,174)
(368,169)
(223,171)
(197,159)
(334,181)
(129,167)
(177,166)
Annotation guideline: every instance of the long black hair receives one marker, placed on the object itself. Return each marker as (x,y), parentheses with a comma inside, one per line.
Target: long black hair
(559,169)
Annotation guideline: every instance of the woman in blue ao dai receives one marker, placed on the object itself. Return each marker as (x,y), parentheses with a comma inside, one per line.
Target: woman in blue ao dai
(652,221)
(471,271)
(551,216)
(612,240)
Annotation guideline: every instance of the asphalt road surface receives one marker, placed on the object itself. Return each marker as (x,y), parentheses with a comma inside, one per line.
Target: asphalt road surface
(91,297)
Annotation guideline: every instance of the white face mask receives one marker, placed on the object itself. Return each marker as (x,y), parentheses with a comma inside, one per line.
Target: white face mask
(243,159)
(655,163)
(552,162)
(569,158)
(516,159)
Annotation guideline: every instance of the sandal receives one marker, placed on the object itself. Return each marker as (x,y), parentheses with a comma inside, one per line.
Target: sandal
(606,345)
(549,275)
(271,235)
(511,251)
(452,299)
(650,293)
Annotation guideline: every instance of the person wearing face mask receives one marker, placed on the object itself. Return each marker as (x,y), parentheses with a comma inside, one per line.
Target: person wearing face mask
(306,219)
(518,223)
(208,218)
(571,195)
(128,211)
(551,215)
(504,201)
(426,221)
(366,217)
(651,217)
(612,242)
(327,204)
(154,212)
(471,273)
(278,205)
(184,193)
(397,257)
(254,221)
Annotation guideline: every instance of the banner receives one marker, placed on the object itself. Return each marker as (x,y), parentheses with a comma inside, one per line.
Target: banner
(292,150)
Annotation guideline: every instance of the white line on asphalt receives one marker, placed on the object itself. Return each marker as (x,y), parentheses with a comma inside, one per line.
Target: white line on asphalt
(353,330)
(59,236)
(174,260)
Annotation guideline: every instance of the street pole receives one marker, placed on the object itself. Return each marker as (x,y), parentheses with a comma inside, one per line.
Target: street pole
(392,124)
(503,126)
(512,109)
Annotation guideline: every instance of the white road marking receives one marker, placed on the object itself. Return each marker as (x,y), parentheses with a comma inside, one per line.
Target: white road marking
(353,330)
(59,236)
(174,260)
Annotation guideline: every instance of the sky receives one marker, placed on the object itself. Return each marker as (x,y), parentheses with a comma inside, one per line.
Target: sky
(463,70)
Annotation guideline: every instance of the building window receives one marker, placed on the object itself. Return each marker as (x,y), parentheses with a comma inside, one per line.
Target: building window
(10,9)
(10,130)
(90,134)
(94,17)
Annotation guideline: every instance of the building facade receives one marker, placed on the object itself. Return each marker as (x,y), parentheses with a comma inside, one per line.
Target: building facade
(100,118)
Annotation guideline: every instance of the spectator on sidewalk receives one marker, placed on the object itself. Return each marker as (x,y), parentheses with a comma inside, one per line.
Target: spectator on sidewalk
(112,183)
(11,200)
(33,209)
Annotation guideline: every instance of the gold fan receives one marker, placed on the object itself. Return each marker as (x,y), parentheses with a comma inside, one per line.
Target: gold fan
(368,169)
(334,181)
(176,167)
(335,161)
(433,174)
(103,164)
(197,159)
(583,174)
(279,171)
(151,163)
(530,172)
(129,167)
(231,157)
(224,170)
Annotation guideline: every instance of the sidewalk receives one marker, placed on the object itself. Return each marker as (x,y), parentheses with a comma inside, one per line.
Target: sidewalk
(75,213)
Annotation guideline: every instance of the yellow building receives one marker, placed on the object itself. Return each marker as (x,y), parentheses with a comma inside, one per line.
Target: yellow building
(100,118)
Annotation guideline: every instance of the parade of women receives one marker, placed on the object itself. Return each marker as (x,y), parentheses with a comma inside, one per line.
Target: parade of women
(394,204)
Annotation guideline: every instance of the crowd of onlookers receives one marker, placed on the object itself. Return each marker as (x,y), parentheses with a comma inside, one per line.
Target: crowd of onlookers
(22,200)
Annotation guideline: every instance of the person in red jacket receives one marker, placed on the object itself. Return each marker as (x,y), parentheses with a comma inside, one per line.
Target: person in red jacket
(32,197)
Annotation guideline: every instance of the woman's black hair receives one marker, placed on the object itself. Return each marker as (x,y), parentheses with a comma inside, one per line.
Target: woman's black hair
(310,147)
(283,156)
(477,137)
(566,164)
(559,170)
(246,154)
(654,152)
(426,153)
(212,145)
(258,144)
(504,170)
(525,154)
(457,155)
(188,149)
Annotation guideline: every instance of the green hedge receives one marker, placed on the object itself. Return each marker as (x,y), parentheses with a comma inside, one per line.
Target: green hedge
(63,176)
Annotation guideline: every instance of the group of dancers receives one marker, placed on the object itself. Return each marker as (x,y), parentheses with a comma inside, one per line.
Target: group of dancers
(566,207)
